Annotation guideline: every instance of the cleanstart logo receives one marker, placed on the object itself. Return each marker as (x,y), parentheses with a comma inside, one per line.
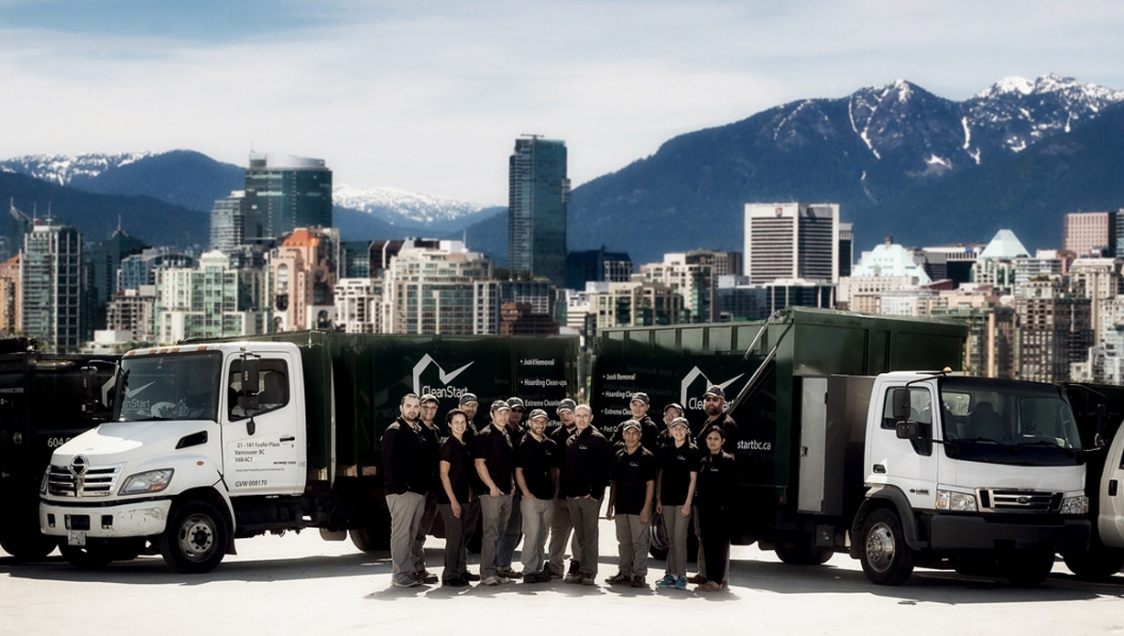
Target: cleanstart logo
(691,390)
(443,377)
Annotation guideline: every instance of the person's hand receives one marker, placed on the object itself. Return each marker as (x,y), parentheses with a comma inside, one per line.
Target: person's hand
(456,509)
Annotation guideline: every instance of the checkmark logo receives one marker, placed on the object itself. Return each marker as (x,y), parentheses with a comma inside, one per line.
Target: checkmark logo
(131,392)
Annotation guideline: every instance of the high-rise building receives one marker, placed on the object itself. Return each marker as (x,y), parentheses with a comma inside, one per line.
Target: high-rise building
(359,305)
(10,295)
(792,241)
(51,287)
(1054,330)
(212,300)
(1090,233)
(105,260)
(134,312)
(538,193)
(304,278)
(228,222)
(430,290)
(140,269)
(283,193)
(597,266)
(534,297)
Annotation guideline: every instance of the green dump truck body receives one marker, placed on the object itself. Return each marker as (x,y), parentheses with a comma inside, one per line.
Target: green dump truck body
(677,363)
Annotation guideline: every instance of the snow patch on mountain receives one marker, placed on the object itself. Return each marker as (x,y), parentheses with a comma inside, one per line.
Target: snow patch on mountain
(400,207)
(62,169)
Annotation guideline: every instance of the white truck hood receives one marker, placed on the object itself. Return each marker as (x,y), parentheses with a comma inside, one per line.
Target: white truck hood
(119,442)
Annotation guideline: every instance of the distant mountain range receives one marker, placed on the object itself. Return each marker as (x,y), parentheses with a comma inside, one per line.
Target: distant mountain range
(899,160)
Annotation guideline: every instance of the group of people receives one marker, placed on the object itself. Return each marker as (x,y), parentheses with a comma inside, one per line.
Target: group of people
(525,481)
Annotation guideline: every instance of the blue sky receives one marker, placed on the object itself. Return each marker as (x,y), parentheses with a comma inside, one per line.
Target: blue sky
(429,96)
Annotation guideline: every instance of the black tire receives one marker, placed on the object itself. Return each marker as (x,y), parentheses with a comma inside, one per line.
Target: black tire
(28,545)
(375,539)
(1096,564)
(886,559)
(801,551)
(195,540)
(1026,569)
(89,557)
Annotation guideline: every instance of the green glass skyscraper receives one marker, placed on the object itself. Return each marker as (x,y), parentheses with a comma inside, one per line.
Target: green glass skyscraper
(538,191)
(283,193)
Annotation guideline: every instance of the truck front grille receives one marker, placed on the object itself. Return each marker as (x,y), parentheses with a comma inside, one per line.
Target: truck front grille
(66,481)
(1029,501)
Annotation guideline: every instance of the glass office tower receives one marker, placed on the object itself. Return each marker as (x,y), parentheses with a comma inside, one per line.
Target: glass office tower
(284,192)
(538,192)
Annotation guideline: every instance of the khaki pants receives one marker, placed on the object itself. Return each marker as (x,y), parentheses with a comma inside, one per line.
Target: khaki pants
(536,522)
(494,512)
(584,513)
(406,512)
(560,532)
(633,538)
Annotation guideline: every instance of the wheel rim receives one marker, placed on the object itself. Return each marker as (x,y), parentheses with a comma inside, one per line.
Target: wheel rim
(197,537)
(880,547)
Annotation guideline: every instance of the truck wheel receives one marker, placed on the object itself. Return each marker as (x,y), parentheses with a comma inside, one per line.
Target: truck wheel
(1026,569)
(87,557)
(1097,564)
(28,545)
(801,551)
(886,559)
(195,540)
(371,539)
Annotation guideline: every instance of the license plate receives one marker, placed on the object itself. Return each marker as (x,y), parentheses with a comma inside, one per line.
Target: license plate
(77,539)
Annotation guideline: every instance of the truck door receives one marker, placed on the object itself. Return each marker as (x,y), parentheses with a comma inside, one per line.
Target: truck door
(909,464)
(264,449)
(1110,520)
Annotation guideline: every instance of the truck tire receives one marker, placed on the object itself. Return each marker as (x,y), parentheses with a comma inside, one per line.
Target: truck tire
(371,539)
(1098,563)
(1026,569)
(28,544)
(801,551)
(885,557)
(196,537)
(87,557)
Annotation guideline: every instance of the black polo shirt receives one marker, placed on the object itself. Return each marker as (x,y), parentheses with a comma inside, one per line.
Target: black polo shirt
(649,433)
(677,465)
(585,464)
(495,448)
(538,459)
(728,425)
(718,482)
(461,469)
(405,459)
(631,473)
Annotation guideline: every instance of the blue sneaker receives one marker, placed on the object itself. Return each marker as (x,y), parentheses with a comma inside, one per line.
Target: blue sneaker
(681,583)
(667,581)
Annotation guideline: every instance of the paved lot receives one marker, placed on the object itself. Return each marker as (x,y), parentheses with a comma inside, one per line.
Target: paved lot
(303,585)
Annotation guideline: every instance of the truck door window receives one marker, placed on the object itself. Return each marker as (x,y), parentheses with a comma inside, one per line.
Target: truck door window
(273,388)
(920,411)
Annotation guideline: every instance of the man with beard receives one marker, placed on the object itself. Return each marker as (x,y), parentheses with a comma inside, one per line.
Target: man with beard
(428,405)
(513,533)
(406,476)
(714,405)
(560,527)
(638,405)
(495,464)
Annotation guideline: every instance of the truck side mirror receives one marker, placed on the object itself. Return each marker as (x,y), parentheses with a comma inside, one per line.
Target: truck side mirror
(901,405)
(906,430)
(251,378)
(90,398)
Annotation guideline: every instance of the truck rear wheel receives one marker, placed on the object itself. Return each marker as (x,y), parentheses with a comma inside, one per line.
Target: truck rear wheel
(371,539)
(801,551)
(28,544)
(1026,569)
(1097,564)
(886,559)
(195,540)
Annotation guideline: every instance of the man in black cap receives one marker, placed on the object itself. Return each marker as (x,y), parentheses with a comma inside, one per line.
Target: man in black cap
(469,404)
(714,405)
(428,404)
(631,489)
(638,405)
(495,464)
(670,413)
(513,533)
(560,527)
(536,474)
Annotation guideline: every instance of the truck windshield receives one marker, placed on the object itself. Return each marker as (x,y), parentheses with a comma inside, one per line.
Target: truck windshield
(171,387)
(1006,422)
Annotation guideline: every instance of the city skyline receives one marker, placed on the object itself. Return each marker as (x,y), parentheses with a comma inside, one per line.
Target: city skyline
(425,98)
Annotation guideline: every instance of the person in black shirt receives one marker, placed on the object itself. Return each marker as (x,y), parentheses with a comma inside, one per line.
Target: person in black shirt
(560,526)
(406,478)
(536,474)
(678,464)
(455,466)
(585,473)
(714,405)
(495,465)
(471,516)
(638,405)
(717,486)
(513,533)
(670,412)
(631,488)
(428,405)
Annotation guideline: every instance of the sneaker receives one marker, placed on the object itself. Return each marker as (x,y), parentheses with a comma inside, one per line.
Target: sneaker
(618,578)
(543,577)
(410,582)
(573,577)
(508,573)
(458,582)
(469,576)
(668,581)
(575,567)
(638,581)
(697,579)
(425,577)
(681,583)
(490,581)
(587,579)
(710,586)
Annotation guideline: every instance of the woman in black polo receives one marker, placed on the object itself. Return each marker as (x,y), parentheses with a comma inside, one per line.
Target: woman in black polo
(717,484)
(452,499)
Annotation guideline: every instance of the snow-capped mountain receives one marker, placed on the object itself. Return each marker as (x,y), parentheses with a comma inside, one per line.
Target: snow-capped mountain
(64,169)
(402,208)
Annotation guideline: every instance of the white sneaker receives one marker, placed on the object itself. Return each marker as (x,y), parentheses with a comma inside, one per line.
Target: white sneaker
(490,581)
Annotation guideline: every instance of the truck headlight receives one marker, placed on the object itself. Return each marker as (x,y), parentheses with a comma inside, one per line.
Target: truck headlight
(956,501)
(151,481)
(1075,505)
